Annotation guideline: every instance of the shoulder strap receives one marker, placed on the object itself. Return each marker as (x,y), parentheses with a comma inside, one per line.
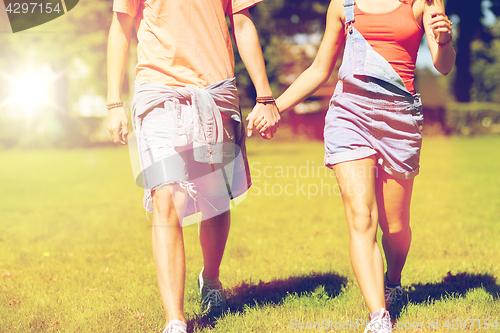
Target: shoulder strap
(349,12)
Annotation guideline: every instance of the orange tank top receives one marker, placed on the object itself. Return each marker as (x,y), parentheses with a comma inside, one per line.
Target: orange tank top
(395,35)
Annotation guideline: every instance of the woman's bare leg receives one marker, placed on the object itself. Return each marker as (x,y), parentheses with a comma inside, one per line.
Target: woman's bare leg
(357,181)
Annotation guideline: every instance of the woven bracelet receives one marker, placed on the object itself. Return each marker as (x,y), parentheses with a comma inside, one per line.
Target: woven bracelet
(265,99)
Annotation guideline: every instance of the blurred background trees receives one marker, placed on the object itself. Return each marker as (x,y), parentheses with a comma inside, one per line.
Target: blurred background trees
(476,66)
(476,40)
(71,50)
(67,57)
(290,32)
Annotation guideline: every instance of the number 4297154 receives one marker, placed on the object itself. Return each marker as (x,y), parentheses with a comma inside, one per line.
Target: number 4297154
(456,324)
(32,8)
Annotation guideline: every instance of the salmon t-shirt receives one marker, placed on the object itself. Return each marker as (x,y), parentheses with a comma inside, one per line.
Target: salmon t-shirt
(183,42)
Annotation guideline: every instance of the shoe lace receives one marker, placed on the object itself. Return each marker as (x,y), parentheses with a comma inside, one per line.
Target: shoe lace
(213,297)
(380,324)
(393,293)
(386,323)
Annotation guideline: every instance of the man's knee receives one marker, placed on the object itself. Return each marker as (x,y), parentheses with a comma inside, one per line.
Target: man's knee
(398,233)
(169,201)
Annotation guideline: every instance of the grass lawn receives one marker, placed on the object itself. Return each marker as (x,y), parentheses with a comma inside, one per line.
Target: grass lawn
(75,252)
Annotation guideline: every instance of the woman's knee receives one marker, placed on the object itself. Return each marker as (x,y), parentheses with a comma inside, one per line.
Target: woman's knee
(362,219)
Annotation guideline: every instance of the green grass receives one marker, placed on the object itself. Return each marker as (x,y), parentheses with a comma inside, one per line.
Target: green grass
(75,244)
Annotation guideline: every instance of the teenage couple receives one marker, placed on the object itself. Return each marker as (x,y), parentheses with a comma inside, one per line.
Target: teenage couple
(190,133)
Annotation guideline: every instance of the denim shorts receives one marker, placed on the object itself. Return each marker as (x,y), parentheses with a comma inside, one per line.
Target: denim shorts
(371,112)
(360,124)
(163,163)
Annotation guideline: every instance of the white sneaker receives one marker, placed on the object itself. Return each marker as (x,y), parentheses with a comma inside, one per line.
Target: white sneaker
(176,326)
(380,322)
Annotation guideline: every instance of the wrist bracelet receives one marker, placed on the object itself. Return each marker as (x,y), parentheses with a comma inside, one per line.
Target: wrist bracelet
(114,105)
(442,44)
(265,99)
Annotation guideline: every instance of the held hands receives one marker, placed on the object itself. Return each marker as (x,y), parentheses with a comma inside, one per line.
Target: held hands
(266,119)
(441,27)
(118,125)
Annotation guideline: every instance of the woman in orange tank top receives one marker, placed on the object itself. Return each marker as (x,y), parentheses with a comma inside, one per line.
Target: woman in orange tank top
(374,126)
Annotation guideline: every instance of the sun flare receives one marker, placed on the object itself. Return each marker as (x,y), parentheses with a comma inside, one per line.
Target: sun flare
(29,93)
(30,90)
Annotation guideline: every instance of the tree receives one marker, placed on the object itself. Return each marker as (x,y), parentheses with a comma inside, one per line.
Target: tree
(278,19)
(470,29)
(485,68)
(277,22)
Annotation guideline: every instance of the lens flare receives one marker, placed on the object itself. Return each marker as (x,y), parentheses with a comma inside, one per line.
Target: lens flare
(30,90)
(28,93)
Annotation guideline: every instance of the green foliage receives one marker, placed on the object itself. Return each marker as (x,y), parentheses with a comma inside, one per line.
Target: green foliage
(485,67)
(473,118)
(287,18)
(276,22)
(470,29)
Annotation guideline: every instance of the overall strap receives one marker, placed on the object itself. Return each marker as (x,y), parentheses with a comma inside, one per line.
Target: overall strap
(349,12)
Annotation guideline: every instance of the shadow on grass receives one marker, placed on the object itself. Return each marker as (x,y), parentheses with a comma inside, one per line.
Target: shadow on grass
(452,285)
(253,295)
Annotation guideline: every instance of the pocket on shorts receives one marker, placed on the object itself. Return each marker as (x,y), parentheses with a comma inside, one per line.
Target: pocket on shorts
(417,116)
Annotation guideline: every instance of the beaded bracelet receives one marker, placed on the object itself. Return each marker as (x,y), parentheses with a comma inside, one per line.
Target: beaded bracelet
(114,105)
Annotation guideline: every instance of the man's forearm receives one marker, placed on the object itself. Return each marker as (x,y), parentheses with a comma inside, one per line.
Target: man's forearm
(250,51)
(117,54)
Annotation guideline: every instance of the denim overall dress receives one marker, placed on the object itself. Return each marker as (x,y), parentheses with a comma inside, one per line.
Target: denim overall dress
(371,111)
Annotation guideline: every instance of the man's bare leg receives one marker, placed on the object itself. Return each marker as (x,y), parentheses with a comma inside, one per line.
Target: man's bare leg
(169,205)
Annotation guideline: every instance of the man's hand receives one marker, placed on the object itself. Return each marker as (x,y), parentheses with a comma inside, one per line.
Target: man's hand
(118,125)
(265,118)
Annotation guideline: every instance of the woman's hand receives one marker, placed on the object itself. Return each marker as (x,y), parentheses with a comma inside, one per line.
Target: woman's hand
(441,27)
(265,118)
(438,29)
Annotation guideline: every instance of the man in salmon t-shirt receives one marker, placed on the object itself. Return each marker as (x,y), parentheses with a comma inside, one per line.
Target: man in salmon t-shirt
(189,128)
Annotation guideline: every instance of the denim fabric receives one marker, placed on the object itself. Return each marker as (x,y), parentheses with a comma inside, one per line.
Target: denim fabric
(364,67)
(193,137)
(371,111)
(204,119)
